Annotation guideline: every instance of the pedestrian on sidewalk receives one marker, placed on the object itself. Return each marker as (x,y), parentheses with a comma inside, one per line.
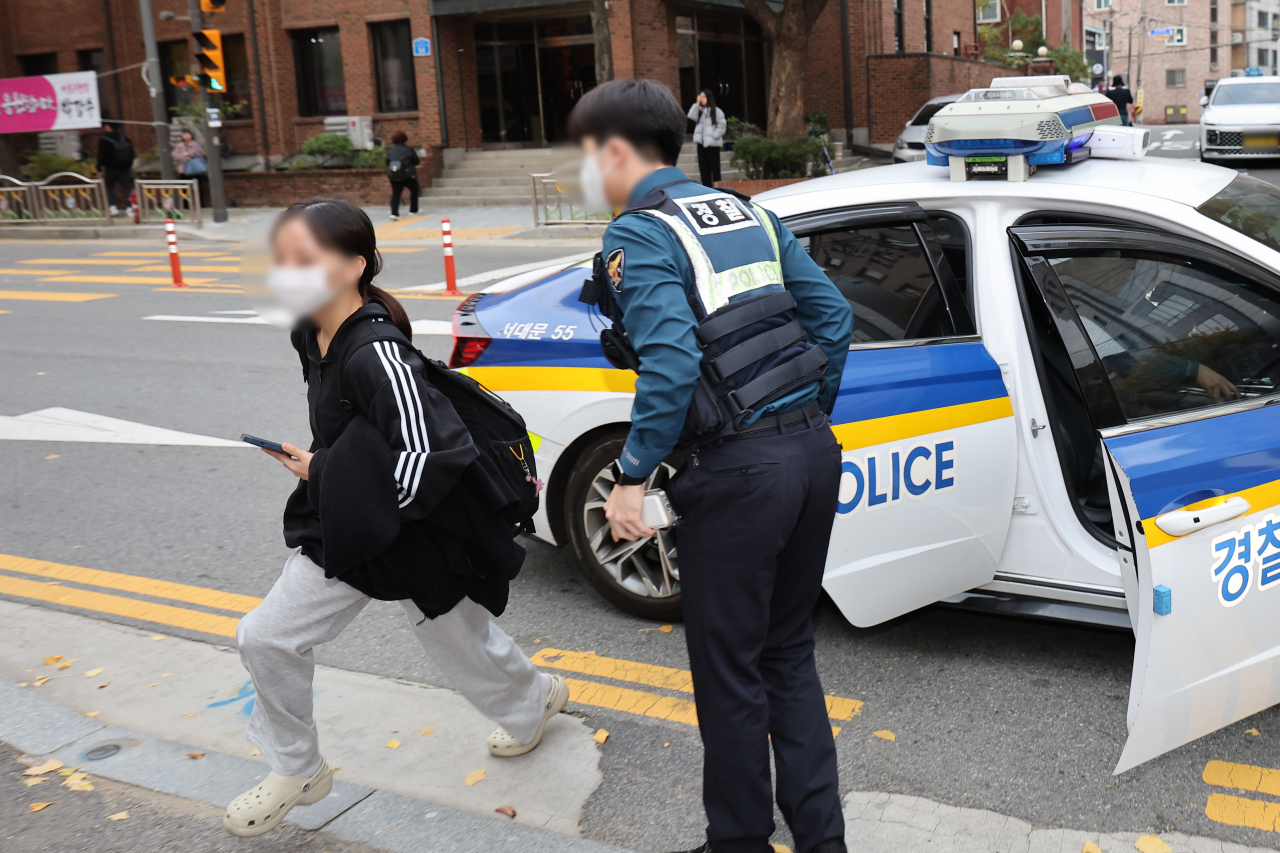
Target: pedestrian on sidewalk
(402,169)
(189,156)
(390,462)
(738,340)
(1119,93)
(115,162)
(708,135)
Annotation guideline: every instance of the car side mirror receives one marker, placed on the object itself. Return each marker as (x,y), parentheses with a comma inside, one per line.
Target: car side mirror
(906,123)
(1204,100)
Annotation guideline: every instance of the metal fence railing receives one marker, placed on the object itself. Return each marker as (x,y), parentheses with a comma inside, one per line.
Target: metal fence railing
(64,197)
(553,205)
(176,200)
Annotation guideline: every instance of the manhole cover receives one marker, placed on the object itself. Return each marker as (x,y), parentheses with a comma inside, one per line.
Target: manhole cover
(100,752)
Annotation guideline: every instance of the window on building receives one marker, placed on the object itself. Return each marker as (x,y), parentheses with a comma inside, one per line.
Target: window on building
(393,67)
(317,64)
(899,42)
(988,11)
(36,64)
(1101,5)
(1213,12)
(96,61)
(1213,57)
(175,63)
(1174,77)
(1175,2)
(928,26)
(1264,57)
(1262,21)
(1179,35)
(236,57)
(955,43)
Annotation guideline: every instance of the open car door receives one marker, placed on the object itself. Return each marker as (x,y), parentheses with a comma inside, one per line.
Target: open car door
(1177,349)
(923,415)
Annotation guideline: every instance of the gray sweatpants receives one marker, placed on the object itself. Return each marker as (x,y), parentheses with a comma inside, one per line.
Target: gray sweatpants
(305,609)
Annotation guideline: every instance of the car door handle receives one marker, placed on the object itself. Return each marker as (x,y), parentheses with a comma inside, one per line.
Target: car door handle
(1180,522)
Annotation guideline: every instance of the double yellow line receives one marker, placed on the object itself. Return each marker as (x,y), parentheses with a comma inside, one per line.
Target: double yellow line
(50,588)
(1243,811)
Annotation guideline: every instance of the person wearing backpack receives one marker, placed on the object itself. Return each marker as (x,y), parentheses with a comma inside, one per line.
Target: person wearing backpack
(115,161)
(414,485)
(402,170)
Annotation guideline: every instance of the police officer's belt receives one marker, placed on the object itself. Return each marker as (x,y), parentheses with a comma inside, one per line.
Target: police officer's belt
(785,419)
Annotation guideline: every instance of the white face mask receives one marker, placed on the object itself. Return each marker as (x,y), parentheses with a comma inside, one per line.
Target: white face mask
(592,179)
(301,290)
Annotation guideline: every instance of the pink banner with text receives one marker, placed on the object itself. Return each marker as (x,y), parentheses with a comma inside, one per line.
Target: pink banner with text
(49,102)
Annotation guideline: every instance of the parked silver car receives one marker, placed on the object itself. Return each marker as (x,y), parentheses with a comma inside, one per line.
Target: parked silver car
(1241,119)
(910,145)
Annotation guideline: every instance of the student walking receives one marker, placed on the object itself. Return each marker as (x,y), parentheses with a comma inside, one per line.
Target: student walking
(115,161)
(402,169)
(708,135)
(393,502)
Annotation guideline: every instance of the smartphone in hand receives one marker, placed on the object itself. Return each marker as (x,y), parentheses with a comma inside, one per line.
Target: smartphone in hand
(263,443)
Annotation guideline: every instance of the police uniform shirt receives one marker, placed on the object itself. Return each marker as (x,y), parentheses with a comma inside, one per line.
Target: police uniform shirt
(651,276)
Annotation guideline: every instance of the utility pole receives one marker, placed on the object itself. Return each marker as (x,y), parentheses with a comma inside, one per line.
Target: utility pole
(213,144)
(159,115)
(1142,49)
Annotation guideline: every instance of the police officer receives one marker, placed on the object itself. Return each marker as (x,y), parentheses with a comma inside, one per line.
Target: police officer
(738,340)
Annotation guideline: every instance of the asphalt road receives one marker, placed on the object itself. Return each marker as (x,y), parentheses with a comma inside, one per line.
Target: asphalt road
(1183,141)
(1024,718)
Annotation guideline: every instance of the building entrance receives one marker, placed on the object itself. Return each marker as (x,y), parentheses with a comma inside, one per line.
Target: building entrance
(725,53)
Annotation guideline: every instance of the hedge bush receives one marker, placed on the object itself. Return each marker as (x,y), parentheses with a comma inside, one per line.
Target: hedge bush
(760,158)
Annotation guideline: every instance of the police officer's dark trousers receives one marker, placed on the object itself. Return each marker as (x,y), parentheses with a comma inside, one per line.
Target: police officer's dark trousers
(756,515)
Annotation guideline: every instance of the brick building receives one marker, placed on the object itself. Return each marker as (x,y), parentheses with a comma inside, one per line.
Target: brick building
(500,72)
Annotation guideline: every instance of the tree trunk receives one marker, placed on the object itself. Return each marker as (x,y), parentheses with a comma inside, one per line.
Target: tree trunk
(604,43)
(788,34)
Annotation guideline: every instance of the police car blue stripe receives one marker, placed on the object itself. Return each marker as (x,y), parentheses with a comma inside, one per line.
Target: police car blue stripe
(881,383)
(1171,467)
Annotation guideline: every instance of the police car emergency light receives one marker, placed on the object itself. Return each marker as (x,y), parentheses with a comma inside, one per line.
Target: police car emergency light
(1019,123)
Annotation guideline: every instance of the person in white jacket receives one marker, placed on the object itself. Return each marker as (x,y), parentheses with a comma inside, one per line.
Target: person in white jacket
(708,134)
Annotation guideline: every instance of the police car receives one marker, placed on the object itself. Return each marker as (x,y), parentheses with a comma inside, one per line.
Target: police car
(1059,401)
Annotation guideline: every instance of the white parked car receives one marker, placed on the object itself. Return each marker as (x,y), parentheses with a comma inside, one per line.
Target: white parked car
(909,147)
(1058,402)
(1241,119)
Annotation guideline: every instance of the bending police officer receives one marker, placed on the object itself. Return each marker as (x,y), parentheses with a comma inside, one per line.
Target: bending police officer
(738,340)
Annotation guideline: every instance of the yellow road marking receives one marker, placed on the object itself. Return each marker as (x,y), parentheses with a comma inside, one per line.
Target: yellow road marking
(163,614)
(231,288)
(131,583)
(839,708)
(153,254)
(1239,811)
(122,279)
(632,701)
(35,272)
(93,261)
(10,312)
(186,268)
(1243,777)
(394,250)
(52,296)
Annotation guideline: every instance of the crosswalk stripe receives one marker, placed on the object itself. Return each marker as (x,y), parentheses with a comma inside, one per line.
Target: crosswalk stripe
(132,608)
(118,262)
(153,254)
(123,279)
(186,268)
(131,583)
(35,272)
(52,296)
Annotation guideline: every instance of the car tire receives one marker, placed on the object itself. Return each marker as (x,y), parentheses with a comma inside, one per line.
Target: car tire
(643,579)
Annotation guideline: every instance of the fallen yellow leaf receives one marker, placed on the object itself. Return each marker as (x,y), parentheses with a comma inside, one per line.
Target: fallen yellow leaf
(33,781)
(428,732)
(103,684)
(41,680)
(392,744)
(780,848)
(666,629)
(1253,732)
(91,673)
(192,714)
(194,755)
(506,810)
(157,637)
(885,735)
(35,807)
(92,713)
(155,684)
(51,456)
(1090,847)
(22,684)
(257,751)
(667,744)
(167,675)
(74,776)
(1152,844)
(66,664)
(601,736)
(124,815)
(48,767)
(66,771)
(53,659)
(473,777)
(80,785)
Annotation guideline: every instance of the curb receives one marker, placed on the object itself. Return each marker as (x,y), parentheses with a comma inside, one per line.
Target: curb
(45,729)
(107,232)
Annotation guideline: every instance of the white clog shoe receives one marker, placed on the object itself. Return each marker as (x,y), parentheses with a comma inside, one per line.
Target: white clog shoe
(261,809)
(504,745)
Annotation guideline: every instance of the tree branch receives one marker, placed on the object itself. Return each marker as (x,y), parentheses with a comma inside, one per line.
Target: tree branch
(812,10)
(765,17)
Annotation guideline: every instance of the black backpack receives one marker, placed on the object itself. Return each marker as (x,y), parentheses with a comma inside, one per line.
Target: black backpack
(497,430)
(122,152)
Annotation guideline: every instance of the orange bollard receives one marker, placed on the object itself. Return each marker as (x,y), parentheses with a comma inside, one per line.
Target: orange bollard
(450,274)
(172,234)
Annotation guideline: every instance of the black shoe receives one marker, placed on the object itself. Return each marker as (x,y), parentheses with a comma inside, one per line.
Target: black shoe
(831,845)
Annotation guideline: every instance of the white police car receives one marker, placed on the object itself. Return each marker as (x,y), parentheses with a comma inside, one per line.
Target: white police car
(1058,402)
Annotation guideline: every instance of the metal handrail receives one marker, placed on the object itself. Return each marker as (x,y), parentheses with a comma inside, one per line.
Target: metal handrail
(552,205)
(178,200)
(61,197)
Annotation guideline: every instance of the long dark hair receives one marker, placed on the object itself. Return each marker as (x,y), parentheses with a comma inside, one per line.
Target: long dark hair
(711,102)
(342,226)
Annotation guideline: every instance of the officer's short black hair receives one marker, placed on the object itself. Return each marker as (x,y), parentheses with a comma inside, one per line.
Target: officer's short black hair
(643,112)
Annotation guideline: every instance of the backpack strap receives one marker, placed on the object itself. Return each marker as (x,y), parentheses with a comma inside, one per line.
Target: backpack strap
(369,331)
(298,337)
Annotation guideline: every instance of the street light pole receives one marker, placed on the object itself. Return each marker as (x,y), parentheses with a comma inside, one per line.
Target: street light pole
(159,115)
(213,145)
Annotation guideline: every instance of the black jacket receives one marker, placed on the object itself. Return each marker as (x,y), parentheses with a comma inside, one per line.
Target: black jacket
(408,162)
(397,504)
(115,151)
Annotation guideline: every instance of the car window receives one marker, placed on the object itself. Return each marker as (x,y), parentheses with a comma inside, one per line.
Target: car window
(1249,206)
(884,272)
(1174,333)
(1246,93)
(927,112)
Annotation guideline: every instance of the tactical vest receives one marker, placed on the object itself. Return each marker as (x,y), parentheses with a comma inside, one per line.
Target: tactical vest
(754,350)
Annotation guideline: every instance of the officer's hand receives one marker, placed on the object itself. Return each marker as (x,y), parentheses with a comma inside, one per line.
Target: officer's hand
(1216,384)
(623,511)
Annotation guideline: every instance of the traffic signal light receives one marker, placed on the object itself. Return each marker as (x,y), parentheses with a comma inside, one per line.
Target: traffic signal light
(211,6)
(185,80)
(213,71)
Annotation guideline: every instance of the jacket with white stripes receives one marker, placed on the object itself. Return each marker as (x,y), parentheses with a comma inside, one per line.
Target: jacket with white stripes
(384,383)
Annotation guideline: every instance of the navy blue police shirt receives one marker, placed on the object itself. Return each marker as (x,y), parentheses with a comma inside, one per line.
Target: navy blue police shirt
(655,280)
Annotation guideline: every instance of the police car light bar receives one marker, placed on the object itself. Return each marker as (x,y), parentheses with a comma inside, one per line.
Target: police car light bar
(1119,143)
(1017,124)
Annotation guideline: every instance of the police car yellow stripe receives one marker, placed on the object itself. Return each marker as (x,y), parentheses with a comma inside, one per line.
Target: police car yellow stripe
(1265,496)
(545,378)
(898,427)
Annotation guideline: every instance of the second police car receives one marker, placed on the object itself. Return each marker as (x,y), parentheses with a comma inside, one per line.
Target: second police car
(1058,401)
